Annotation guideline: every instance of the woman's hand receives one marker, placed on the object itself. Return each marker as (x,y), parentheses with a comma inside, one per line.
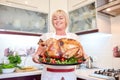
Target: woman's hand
(36,58)
(40,51)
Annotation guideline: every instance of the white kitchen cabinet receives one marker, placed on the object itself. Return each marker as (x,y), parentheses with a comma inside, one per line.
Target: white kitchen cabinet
(33,5)
(82,16)
(23,14)
(29,77)
(75,4)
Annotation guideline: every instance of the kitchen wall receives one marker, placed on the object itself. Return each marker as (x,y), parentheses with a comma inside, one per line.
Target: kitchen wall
(115,29)
(97,45)
(100,45)
(115,25)
(103,23)
(18,43)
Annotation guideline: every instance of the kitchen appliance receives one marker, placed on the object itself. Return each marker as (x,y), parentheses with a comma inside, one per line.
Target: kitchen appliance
(89,62)
(109,74)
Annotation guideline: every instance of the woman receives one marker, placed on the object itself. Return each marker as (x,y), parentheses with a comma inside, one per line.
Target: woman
(60,23)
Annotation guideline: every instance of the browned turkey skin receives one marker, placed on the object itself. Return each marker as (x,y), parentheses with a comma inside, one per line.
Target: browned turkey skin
(63,47)
(70,48)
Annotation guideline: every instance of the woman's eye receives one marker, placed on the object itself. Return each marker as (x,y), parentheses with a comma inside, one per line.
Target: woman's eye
(54,19)
(61,18)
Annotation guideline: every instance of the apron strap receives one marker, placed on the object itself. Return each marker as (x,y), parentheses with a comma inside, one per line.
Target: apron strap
(60,70)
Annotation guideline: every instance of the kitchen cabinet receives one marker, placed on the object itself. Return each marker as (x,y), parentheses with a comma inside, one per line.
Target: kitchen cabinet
(33,5)
(83,18)
(80,79)
(111,8)
(82,74)
(29,17)
(33,77)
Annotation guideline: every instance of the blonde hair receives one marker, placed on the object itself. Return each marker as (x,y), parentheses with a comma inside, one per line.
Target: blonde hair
(63,13)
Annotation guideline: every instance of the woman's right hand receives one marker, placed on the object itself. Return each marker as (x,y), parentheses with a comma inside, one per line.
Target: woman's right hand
(39,51)
(36,58)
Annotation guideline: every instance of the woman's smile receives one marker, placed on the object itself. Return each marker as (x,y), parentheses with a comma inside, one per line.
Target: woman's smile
(58,23)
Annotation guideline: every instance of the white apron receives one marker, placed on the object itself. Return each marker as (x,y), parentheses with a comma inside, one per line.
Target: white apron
(51,72)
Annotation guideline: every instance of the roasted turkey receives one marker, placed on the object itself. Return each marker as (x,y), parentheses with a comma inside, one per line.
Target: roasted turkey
(61,48)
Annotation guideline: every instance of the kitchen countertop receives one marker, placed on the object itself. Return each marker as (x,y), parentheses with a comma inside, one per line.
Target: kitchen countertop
(20,74)
(81,73)
(84,73)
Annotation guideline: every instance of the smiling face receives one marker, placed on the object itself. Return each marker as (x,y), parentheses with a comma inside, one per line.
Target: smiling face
(59,20)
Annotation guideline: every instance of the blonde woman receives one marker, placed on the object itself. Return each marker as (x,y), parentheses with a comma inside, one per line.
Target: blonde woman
(52,72)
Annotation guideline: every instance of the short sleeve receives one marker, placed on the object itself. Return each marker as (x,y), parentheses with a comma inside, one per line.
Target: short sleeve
(46,36)
(74,36)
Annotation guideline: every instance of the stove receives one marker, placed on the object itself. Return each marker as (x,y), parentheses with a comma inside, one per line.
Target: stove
(109,74)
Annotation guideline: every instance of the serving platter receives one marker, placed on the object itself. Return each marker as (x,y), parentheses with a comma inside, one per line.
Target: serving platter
(61,64)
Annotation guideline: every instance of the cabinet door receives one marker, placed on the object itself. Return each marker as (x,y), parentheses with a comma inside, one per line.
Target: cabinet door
(33,5)
(82,19)
(34,77)
(24,17)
